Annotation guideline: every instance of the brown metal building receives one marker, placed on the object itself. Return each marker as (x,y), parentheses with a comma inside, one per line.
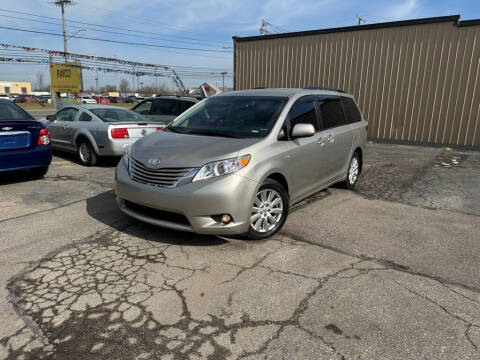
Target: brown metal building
(416,81)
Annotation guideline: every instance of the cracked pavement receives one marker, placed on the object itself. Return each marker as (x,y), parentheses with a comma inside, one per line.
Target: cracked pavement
(389,271)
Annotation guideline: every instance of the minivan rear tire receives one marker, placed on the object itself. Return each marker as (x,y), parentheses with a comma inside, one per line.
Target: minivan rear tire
(353,166)
(276,189)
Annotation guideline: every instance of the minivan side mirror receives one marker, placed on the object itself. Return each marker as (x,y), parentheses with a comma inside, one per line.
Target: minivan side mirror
(303,130)
(51,117)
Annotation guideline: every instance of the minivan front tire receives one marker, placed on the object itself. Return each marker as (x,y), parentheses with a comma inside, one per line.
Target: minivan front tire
(269,210)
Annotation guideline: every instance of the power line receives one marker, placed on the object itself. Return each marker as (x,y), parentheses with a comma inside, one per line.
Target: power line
(116,41)
(19,53)
(109,32)
(149,21)
(15,49)
(112,70)
(181,69)
(98,25)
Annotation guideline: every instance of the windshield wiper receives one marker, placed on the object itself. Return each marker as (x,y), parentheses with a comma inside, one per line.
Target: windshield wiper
(210,133)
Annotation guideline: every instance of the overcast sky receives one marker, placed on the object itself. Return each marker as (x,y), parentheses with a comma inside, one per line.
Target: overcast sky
(206,24)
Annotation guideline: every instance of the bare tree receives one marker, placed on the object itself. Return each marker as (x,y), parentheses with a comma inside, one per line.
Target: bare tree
(110,88)
(40,81)
(123,87)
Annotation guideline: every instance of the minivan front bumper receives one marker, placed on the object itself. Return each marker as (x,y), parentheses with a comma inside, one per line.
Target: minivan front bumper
(196,201)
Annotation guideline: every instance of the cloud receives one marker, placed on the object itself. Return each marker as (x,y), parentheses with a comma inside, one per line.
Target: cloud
(407,8)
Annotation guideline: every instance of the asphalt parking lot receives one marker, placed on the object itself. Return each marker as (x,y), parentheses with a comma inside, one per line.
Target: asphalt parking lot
(389,271)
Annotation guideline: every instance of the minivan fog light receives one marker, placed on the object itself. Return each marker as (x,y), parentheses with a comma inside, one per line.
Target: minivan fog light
(220,168)
(223,218)
(226,219)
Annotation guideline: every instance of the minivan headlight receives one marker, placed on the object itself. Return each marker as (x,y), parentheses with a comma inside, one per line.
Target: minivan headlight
(126,157)
(220,168)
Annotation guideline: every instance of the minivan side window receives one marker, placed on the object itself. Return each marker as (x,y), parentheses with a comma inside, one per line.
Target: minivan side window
(331,112)
(144,108)
(184,105)
(303,112)
(351,110)
(164,107)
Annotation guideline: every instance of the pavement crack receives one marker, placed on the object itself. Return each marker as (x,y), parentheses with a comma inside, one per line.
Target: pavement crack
(383,262)
(468,324)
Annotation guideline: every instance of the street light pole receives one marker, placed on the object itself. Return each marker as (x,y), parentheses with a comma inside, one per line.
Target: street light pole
(223,73)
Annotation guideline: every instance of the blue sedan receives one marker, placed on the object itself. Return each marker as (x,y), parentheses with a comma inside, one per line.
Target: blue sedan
(24,141)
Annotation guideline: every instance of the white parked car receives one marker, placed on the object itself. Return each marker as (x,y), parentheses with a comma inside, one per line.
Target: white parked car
(86,99)
(4,97)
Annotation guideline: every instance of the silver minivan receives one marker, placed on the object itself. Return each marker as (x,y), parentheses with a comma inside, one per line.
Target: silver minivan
(236,162)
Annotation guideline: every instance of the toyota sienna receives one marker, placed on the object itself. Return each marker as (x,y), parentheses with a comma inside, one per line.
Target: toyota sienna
(236,162)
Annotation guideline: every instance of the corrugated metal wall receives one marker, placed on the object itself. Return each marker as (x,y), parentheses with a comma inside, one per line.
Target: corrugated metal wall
(416,83)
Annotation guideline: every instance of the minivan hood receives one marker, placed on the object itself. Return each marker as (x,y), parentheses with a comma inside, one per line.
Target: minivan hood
(181,150)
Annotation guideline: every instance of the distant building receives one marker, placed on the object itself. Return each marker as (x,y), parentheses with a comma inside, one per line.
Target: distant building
(15,87)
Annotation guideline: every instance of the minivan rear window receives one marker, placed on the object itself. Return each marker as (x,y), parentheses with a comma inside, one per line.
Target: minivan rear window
(351,111)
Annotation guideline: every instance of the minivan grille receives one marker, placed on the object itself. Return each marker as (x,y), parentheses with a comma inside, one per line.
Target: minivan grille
(168,177)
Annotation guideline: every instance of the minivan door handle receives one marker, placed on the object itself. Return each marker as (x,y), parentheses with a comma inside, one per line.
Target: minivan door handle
(330,138)
(322,141)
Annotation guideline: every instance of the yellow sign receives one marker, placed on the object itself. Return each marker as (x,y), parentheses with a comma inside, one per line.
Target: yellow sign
(66,77)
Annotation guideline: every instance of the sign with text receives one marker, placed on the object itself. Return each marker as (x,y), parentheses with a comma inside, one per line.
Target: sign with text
(66,77)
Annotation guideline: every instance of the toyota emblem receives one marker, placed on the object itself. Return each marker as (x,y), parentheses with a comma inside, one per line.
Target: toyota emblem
(144,132)
(154,163)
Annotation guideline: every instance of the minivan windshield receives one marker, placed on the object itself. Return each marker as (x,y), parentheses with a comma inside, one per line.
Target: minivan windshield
(231,116)
(115,115)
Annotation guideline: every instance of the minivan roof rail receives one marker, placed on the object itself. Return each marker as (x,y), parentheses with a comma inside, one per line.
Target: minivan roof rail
(323,88)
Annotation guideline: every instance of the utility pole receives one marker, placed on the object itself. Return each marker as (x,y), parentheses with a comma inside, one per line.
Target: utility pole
(63,4)
(96,82)
(133,78)
(223,73)
(263,25)
(53,95)
(115,66)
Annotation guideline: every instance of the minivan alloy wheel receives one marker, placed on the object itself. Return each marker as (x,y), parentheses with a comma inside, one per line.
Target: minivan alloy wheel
(267,210)
(353,171)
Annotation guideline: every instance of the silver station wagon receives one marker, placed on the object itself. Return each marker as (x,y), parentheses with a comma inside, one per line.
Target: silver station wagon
(236,162)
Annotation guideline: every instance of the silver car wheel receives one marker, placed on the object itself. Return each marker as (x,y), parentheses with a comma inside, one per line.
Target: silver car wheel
(84,152)
(267,210)
(353,170)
